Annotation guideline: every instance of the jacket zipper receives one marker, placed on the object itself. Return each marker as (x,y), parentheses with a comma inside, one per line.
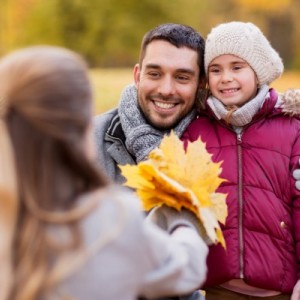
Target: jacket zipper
(240,185)
(241,202)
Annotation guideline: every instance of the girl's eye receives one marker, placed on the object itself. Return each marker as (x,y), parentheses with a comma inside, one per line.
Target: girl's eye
(237,67)
(214,70)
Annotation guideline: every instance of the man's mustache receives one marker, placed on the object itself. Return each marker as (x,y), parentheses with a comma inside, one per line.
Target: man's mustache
(159,97)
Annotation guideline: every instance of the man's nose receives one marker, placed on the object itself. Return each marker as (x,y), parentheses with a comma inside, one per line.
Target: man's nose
(167,86)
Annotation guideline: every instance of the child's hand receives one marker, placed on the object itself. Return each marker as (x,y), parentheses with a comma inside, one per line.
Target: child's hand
(296,175)
(296,291)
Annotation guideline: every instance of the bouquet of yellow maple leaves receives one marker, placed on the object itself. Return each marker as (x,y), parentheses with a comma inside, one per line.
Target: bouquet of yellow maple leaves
(181,179)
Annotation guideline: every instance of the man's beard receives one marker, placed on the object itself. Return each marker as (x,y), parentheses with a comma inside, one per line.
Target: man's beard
(165,127)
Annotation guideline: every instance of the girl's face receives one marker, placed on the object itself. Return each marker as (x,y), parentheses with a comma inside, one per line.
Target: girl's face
(232,80)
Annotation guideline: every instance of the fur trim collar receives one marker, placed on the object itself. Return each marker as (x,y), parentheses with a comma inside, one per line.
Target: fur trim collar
(290,102)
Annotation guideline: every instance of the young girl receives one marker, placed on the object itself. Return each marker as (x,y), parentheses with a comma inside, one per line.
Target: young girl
(245,127)
(66,233)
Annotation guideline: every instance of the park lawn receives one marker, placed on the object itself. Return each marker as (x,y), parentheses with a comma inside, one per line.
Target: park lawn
(108,84)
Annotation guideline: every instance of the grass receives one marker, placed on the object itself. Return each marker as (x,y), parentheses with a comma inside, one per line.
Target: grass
(108,84)
(289,80)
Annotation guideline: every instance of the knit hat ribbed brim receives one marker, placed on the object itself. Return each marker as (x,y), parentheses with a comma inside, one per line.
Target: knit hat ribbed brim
(246,41)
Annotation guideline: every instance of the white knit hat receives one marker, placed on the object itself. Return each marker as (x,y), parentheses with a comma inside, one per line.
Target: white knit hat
(246,41)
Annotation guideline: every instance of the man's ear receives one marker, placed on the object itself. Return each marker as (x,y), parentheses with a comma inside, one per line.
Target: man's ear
(136,75)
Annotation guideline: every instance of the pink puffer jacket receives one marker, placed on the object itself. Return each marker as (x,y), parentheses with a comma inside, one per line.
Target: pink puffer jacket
(262,230)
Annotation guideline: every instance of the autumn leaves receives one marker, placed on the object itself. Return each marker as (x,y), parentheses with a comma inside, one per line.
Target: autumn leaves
(181,179)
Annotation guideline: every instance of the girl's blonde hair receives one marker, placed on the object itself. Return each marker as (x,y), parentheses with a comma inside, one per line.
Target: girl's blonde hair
(45,111)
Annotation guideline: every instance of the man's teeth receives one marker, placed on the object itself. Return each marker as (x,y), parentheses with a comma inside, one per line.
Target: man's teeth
(164,105)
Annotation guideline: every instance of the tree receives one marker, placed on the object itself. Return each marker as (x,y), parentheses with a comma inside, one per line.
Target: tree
(108,32)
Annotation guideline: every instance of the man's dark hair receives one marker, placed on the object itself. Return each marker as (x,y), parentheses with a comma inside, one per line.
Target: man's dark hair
(178,35)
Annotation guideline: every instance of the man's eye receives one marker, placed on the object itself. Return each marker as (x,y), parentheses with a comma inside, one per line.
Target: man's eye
(182,77)
(153,74)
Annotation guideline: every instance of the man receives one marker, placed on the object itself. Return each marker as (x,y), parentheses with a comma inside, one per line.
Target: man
(166,83)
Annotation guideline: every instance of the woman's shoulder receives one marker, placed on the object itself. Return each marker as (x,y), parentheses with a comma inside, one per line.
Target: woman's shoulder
(115,208)
(110,235)
(116,196)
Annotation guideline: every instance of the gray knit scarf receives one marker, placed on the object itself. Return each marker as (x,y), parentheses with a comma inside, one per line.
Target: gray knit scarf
(141,137)
(244,114)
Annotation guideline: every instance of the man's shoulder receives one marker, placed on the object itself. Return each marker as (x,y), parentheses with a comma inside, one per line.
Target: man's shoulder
(103,121)
(107,116)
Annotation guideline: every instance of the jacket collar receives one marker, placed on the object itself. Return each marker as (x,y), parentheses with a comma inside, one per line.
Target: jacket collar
(115,129)
(269,107)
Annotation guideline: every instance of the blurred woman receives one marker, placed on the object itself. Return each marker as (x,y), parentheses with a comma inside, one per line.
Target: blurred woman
(65,231)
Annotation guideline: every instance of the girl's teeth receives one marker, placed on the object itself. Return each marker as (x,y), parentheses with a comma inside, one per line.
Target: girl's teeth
(229,91)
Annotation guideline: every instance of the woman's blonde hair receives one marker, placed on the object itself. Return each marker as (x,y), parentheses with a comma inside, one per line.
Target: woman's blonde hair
(8,211)
(45,111)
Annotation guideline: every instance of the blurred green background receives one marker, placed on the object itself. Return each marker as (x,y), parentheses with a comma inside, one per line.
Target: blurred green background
(108,33)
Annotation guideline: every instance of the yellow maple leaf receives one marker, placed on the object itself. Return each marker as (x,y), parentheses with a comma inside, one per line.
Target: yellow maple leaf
(181,179)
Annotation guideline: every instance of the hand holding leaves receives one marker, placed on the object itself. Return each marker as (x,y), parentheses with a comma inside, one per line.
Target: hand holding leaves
(181,179)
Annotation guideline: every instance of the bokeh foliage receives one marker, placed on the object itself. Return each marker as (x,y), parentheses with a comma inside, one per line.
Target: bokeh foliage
(108,32)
